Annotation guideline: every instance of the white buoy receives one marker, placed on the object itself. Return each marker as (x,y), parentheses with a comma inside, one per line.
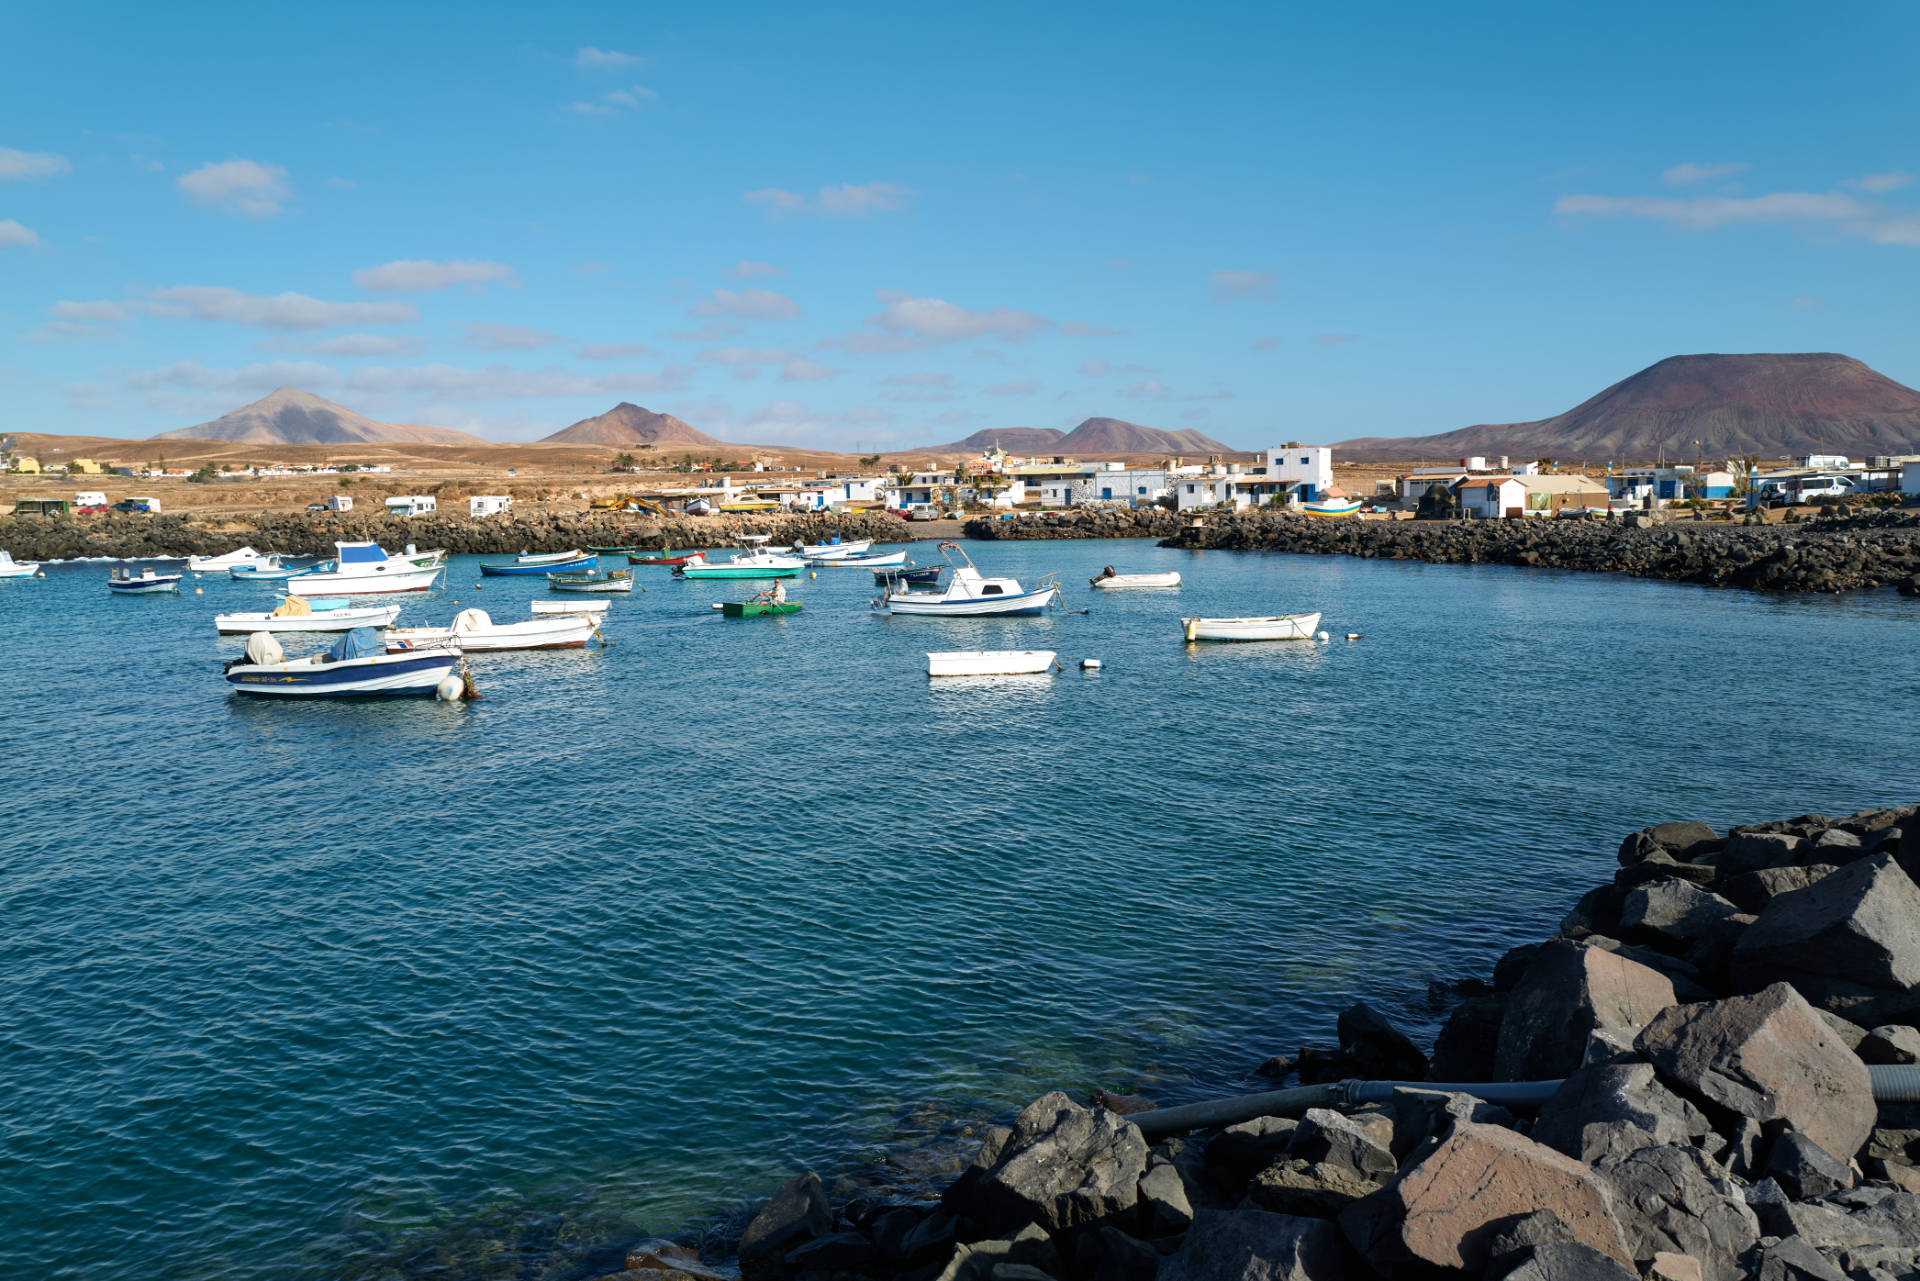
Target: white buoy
(448,690)
(199,591)
(1353,635)
(1322,636)
(718,605)
(1091,664)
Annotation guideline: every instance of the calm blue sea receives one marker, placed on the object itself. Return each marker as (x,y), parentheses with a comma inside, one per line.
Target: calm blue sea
(286,989)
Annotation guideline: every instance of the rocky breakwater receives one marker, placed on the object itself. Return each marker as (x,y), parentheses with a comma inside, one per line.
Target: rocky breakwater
(1701,1037)
(1819,556)
(1138,522)
(133,536)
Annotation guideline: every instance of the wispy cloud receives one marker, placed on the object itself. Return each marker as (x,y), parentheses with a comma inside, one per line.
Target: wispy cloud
(341,184)
(280,311)
(486,336)
(1154,389)
(1335,340)
(1685,175)
(746,269)
(613,351)
(1095,368)
(21,166)
(614,101)
(1241,286)
(261,377)
(348,345)
(71,331)
(592,59)
(414,275)
(244,187)
(847,200)
(745,356)
(747,304)
(99,310)
(925,386)
(1881,183)
(1019,387)
(1081,329)
(502,382)
(1700,212)
(802,370)
(908,323)
(1266,344)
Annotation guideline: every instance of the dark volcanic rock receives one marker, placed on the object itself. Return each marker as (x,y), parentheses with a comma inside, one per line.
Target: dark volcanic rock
(1850,942)
(1256,1245)
(793,1215)
(1060,1165)
(1612,1110)
(1378,1048)
(1673,1198)
(1568,991)
(1805,1170)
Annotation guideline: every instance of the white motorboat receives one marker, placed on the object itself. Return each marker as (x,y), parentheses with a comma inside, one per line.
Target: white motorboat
(989,662)
(1113,581)
(832,551)
(594,607)
(356,666)
(884,560)
(474,631)
(363,569)
(298,614)
(11,568)
(1271,627)
(238,558)
(549,558)
(970,594)
(126,582)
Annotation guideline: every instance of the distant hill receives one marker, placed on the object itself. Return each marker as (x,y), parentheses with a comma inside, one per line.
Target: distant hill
(1117,436)
(1015,440)
(1775,406)
(629,424)
(293,417)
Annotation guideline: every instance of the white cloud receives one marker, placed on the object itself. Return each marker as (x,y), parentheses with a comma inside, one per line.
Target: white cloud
(89,395)
(802,370)
(484,336)
(502,382)
(1022,387)
(342,184)
(244,187)
(746,269)
(1238,286)
(747,304)
(101,310)
(12,233)
(613,350)
(745,356)
(281,311)
(592,59)
(1094,368)
(262,377)
(1683,175)
(712,331)
(923,387)
(1880,183)
(1335,340)
(416,274)
(1701,212)
(847,200)
(911,324)
(1081,329)
(615,101)
(1895,231)
(19,166)
(787,421)
(349,345)
(1154,389)
(1266,344)
(72,331)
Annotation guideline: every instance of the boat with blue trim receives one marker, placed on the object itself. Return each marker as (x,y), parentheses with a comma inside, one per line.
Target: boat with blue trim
(125,582)
(364,569)
(530,563)
(355,666)
(970,595)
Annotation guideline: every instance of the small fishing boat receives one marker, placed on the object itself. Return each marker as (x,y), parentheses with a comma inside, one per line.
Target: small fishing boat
(698,507)
(593,607)
(1112,581)
(238,558)
(757,608)
(832,549)
(970,594)
(990,662)
(618,580)
(1331,507)
(884,560)
(365,569)
(299,614)
(754,564)
(356,666)
(126,582)
(11,568)
(667,558)
(1271,627)
(611,551)
(474,631)
(276,571)
(545,563)
(922,574)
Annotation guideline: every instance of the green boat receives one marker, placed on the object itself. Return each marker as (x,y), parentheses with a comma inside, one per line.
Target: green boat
(756,608)
(726,569)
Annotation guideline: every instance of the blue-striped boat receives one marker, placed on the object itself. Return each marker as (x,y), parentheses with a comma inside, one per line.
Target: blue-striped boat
(357,666)
(544,563)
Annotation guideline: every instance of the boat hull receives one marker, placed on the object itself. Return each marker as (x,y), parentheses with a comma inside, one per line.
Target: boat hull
(19,569)
(378,676)
(508,569)
(757,608)
(166,584)
(670,562)
(735,572)
(560,632)
(331,620)
(924,574)
(976,607)
(885,560)
(1275,627)
(246,574)
(383,581)
(1331,508)
(1122,582)
(990,662)
(595,586)
(593,607)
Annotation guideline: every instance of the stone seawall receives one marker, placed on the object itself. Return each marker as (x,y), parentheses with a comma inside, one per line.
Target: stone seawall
(70,537)
(1704,1030)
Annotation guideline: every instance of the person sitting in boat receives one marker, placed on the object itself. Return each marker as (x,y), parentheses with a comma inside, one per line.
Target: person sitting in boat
(779,593)
(1109,572)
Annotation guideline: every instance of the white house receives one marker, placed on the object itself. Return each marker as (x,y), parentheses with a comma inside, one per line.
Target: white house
(410,505)
(1307,467)
(488,505)
(1494,496)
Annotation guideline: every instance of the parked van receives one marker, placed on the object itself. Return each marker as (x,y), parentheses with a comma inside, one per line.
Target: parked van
(90,500)
(488,504)
(1826,487)
(340,503)
(410,505)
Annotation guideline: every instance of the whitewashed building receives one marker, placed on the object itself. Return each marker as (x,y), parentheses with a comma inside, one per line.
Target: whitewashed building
(1308,469)
(488,505)
(411,505)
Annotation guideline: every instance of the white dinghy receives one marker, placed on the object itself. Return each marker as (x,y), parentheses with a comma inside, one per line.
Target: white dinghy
(1271,627)
(238,558)
(11,568)
(298,614)
(594,607)
(473,632)
(990,662)
(1113,580)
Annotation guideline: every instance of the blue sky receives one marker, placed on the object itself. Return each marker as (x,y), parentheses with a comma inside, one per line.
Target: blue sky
(882,226)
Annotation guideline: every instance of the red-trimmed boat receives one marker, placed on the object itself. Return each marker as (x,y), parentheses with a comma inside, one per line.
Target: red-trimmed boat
(666,560)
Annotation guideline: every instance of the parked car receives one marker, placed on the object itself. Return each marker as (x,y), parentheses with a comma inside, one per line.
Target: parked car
(315,507)
(91,509)
(922,511)
(150,505)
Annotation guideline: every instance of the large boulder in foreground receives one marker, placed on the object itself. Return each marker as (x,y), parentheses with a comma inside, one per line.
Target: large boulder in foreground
(1854,933)
(1256,1245)
(1442,1211)
(1060,1166)
(792,1216)
(1769,1057)
(1568,991)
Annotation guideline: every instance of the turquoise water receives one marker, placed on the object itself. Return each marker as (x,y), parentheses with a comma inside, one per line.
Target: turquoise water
(300,990)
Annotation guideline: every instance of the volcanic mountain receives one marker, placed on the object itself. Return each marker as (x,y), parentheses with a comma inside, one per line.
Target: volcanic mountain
(293,417)
(1774,406)
(1117,436)
(629,424)
(1015,440)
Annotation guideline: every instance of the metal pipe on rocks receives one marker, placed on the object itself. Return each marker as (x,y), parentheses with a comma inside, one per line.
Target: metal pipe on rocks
(1891,1084)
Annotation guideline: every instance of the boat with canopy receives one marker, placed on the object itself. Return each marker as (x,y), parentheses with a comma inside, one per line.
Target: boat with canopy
(299,614)
(355,666)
